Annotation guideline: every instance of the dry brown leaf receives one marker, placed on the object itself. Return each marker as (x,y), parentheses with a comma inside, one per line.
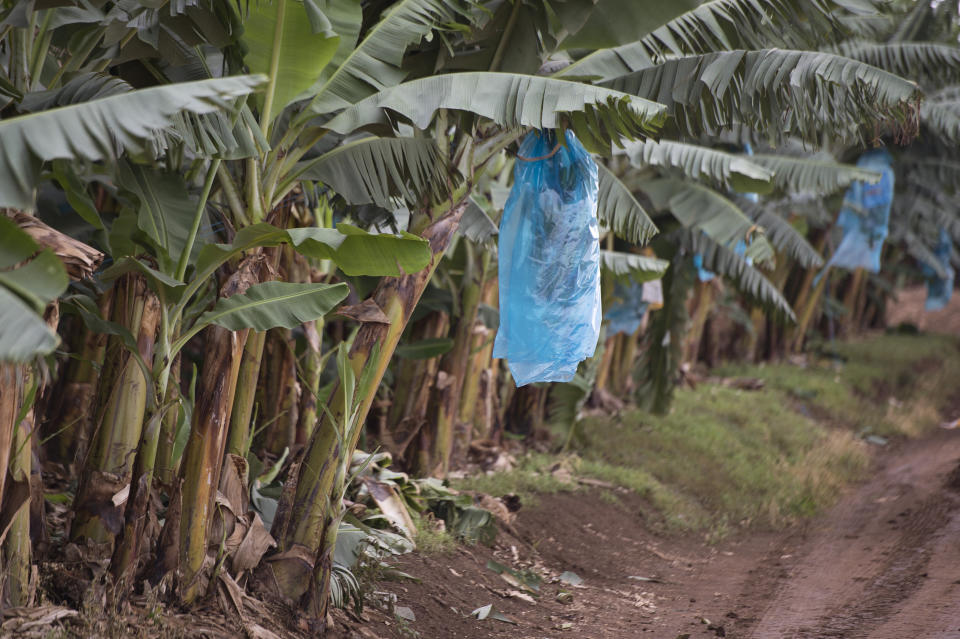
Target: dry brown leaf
(79,259)
(516,594)
(496,507)
(231,591)
(233,482)
(16,496)
(365,311)
(391,506)
(22,620)
(120,497)
(256,631)
(254,545)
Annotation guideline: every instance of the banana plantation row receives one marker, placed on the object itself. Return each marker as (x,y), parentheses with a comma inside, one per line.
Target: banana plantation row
(241,240)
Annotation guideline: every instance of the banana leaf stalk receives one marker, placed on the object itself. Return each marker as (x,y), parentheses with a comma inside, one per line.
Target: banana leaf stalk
(303,515)
(166,465)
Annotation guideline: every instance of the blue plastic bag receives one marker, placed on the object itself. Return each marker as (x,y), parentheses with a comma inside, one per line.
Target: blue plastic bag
(865,216)
(940,289)
(549,268)
(626,311)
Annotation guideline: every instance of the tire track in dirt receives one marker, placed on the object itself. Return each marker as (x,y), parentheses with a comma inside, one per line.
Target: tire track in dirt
(877,556)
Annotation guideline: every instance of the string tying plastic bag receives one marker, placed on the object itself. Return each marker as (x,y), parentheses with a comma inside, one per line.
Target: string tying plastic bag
(865,216)
(940,289)
(549,269)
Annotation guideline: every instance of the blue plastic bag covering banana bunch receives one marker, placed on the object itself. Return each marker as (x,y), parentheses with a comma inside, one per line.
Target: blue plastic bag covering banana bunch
(865,216)
(940,289)
(625,314)
(549,270)
(630,303)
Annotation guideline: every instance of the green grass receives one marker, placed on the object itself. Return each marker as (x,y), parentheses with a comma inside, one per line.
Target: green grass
(430,539)
(889,385)
(725,458)
(531,477)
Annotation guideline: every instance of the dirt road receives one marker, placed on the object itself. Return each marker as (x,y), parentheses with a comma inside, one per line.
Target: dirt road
(883,564)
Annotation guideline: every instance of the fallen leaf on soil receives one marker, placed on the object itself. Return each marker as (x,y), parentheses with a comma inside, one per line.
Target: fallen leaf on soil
(26,619)
(522,580)
(256,631)
(516,594)
(230,592)
(404,613)
(652,580)
(490,612)
(571,578)
(391,506)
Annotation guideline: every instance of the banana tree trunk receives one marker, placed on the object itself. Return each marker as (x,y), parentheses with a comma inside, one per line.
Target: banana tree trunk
(106,469)
(15,515)
(278,379)
(241,417)
(305,527)
(806,314)
(481,347)
(704,304)
(11,383)
(206,446)
(851,295)
(75,401)
(623,379)
(415,381)
(307,411)
(451,434)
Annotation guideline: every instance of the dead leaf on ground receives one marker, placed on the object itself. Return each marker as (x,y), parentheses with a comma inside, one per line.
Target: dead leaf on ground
(404,613)
(489,612)
(21,621)
(571,578)
(256,631)
(516,594)
(391,506)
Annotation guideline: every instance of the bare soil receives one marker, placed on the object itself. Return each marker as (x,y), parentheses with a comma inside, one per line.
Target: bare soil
(908,307)
(884,563)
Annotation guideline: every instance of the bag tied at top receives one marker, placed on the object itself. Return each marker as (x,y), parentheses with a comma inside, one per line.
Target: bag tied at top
(549,269)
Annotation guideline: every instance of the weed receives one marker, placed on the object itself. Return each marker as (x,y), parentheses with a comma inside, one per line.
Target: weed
(432,537)
(726,458)
(531,477)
